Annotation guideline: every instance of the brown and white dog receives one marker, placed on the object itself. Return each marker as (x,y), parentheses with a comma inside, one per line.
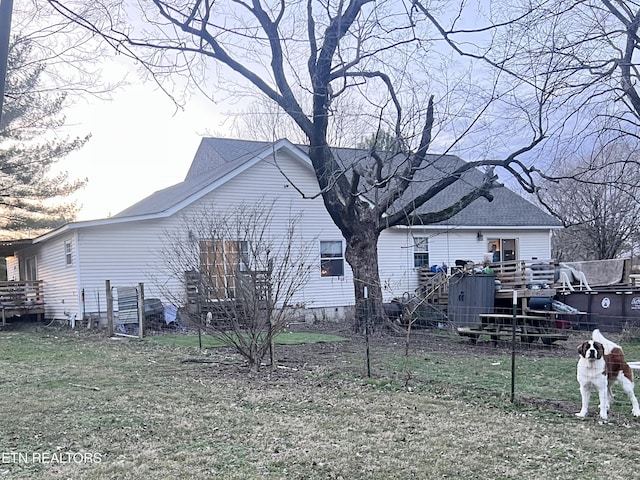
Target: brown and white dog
(602,364)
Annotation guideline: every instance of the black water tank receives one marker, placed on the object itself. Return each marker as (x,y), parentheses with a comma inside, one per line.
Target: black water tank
(469,296)
(541,303)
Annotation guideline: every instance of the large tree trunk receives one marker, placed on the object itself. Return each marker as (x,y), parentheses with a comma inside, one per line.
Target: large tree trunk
(362,255)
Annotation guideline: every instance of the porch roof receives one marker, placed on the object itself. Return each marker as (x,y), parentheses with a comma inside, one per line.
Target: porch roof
(9,247)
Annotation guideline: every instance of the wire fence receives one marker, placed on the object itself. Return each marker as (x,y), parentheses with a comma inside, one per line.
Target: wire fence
(542,325)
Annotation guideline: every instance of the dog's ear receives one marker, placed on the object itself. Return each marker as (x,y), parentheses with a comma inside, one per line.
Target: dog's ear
(582,348)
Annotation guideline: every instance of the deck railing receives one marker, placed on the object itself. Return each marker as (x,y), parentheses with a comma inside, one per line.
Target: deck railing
(23,297)
(433,286)
(518,274)
(21,294)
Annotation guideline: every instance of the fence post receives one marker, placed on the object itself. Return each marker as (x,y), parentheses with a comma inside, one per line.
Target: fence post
(141,309)
(107,286)
(366,329)
(513,344)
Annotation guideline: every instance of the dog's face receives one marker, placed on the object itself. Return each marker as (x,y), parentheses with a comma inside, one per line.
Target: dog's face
(591,350)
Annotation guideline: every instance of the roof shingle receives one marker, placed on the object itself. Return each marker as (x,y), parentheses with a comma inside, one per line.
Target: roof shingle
(218,157)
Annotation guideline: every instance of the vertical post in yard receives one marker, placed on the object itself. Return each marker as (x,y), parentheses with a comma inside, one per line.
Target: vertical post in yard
(366,329)
(141,309)
(513,344)
(107,286)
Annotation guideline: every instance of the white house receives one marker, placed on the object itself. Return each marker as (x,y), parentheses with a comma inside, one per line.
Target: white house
(74,260)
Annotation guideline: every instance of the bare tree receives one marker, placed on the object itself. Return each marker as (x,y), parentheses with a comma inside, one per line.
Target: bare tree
(587,52)
(51,64)
(241,274)
(263,120)
(598,200)
(331,64)
(590,50)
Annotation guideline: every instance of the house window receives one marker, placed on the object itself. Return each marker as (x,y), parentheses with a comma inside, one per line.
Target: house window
(420,252)
(28,270)
(503,249)
(331,259)
(68,258)
(220,263)
(243,255)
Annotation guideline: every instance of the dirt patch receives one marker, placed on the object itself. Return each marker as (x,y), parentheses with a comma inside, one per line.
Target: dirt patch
(419,341)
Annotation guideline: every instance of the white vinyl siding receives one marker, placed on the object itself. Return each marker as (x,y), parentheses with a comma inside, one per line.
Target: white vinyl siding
(128,253)
(125,256)
(59,281)
(314,223)
(396,261)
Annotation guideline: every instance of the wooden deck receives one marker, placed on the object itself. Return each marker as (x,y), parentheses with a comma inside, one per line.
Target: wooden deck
(528,278)
(19,298)
(525,274)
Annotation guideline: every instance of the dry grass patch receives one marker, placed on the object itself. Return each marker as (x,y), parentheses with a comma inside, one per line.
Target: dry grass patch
(150,415)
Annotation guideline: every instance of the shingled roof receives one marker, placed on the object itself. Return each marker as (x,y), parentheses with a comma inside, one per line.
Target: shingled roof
(217,159)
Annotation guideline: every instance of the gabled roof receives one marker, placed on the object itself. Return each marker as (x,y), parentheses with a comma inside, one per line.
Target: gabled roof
(508,209)
(217,160)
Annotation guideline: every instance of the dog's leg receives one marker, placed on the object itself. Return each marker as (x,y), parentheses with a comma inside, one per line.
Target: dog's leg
(584,392)
(610,395)
(627,386)
(603,393)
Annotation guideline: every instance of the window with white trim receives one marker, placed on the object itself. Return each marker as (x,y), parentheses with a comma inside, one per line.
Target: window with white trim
(503,249)
(68,253)
(420,252)
(331,258)
(27,268)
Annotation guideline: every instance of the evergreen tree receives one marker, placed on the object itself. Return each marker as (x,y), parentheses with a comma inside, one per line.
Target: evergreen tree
(31,195)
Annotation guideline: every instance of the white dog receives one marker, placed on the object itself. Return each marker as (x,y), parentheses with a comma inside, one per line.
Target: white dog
(602,364)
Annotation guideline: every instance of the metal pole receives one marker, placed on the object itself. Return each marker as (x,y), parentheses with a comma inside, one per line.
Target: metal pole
(366,329)
(513,344)
(6,9)
(107,287)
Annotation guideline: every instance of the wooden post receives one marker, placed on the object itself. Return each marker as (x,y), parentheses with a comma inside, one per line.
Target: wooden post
(107,286)
(141,309)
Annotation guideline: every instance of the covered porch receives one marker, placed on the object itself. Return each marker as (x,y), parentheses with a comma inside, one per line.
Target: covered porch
(19,298)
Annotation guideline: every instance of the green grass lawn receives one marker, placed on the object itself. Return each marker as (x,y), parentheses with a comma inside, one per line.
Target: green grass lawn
(87,407)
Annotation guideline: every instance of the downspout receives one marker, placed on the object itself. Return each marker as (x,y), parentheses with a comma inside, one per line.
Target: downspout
(80,300)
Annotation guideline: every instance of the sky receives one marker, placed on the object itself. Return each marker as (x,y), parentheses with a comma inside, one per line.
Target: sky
(139,144)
